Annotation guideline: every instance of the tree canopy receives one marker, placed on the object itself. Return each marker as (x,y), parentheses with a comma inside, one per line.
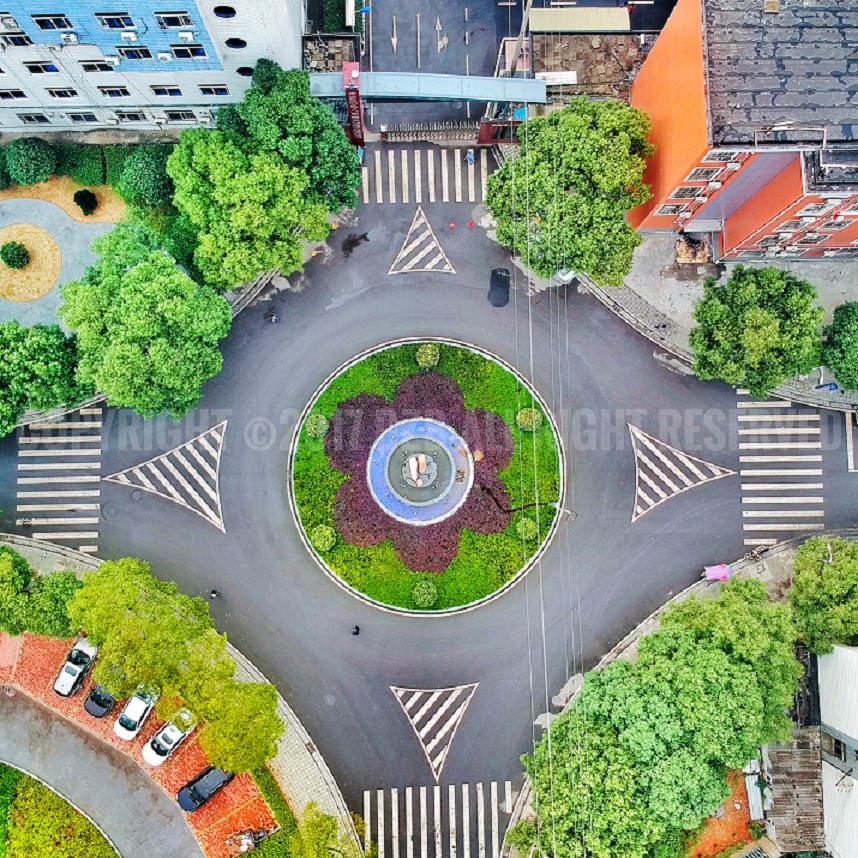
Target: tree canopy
(147,334)
(246,205)
(840,350)
(561,202)
(757,330)
(824,593)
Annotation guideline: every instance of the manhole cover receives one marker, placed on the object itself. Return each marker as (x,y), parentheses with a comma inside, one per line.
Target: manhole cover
(136,494)
(109,510)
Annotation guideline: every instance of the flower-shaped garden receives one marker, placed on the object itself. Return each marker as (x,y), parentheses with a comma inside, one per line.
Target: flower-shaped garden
(426,476)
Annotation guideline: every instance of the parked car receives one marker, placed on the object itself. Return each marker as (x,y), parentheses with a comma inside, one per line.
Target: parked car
(99,702)
(134,713)
(168,738)
(78,664)
(207,783)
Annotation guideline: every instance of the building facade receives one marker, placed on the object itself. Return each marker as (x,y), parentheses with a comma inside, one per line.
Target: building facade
(755,118)
(148,64)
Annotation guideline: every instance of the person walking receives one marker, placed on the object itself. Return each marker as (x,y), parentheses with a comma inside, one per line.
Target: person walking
(215,594)
(356,630)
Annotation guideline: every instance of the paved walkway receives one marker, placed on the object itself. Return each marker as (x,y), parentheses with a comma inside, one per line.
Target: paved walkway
(73,239)
(658,299)
(90,775)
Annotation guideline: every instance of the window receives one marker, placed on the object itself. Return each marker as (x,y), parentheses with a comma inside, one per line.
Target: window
(18,40)
(853,209)
(686,192)
(835,225)
(181,115)
(236,43)
(719,155)
(769,241)
(168,20)
(33,118)
(224,11)
(171,91)
(753,254)
(52,22)
(214,89)
(815,209)
(188,52)
(789,226)
(97,66)
(139,52)
(82,117)
(115,21)
(703,174)
(247,71)
(130,116)
(46,67)
(811,239)
(838,750)
(7,94)
(846,252)
(114,91)
(62,93)
(671,209)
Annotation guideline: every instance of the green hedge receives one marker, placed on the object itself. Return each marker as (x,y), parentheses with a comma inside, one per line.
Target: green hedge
(83,162)
(114,161)
(9,778)
(276,846)
(485,562)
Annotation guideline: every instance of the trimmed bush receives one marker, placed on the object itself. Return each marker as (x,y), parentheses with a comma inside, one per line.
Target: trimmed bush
(114,162)
(14,254)
(428,355)
(527,530)
(425,594)
(83,162)
(30,160)
(316,425)
(529,419)
(86,201)
(5,181)
(840,352)
(324,538)
(144,178)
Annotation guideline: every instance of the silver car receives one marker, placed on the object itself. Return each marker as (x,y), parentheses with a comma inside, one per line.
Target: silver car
(168,738)
(134,713)
(78,664)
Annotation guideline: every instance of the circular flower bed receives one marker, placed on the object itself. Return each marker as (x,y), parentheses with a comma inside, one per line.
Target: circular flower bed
(403,437)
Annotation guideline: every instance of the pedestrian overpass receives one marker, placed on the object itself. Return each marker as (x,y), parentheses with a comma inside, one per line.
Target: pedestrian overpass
(433,87)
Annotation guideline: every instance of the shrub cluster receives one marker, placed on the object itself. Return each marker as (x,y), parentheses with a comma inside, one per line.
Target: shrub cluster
(30,160)
(529,419)
(316,425)
(428,355)
(13,254)
(323,537)
(425,594)
(527,529)
(86,201)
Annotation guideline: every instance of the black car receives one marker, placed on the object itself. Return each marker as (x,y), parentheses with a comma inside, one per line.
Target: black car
(99,702)
(207,783)
(499,287)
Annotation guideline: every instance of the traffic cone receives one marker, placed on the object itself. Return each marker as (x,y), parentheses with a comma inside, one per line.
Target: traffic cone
(470,224)
(452,224)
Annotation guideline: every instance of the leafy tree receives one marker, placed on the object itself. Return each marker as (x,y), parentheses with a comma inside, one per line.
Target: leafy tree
(86,201)
(751,630)
(30,160)
(757,330)
(840,351)
(318,836)
(282,116)
(15,576)
(561,202)
(147,334)
(590,793)
(247,206)
(824,593)
(13,254)
(37,370)
(144,178)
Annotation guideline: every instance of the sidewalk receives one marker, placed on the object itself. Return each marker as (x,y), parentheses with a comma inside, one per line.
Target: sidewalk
(658,299)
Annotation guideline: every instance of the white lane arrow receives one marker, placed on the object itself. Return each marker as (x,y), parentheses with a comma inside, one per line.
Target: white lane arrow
(393,39)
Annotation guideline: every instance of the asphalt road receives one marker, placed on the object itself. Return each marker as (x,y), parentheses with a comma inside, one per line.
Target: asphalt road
(600,576)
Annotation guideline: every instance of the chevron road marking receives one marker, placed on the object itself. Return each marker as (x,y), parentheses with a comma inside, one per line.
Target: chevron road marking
(421,251)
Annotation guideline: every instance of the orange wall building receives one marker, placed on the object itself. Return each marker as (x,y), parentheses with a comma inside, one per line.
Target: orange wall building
(755,125)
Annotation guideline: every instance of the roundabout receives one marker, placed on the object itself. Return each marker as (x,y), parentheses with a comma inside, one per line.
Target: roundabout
(407,479)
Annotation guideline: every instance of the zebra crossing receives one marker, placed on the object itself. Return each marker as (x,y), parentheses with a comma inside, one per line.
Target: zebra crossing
(780,457)
(425,174)
(449,821)
(59,464)
(188,475)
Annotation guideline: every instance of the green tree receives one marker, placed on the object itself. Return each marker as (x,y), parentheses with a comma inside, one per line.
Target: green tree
(144,178)
(5,179)
(247,206)
(15,577)
(561,202)
(13,254)
(840,350)
(318,836)
(30,160)
(37,370)
(147,334)
(757,330)
(824,593)
(282,116)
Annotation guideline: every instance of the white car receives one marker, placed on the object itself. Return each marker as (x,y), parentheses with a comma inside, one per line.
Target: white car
(134,713)
(168,738)
(78,663)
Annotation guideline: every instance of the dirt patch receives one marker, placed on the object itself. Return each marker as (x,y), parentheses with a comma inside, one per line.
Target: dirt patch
(60,191)
(41,275)
(731,827)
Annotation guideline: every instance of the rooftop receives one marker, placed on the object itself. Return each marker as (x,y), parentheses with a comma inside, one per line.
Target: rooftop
(798,65)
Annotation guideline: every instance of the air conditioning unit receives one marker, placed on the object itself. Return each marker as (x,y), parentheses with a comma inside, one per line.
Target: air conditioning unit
(784,236)
(205,115)
(9,24)
(829,253)
(701,199)
(734,165)
(186,36)
(68,38)
(164,57)
(792,248)
(129,36)
(771,253)
(112,120)
(714,185)
(112,61)
(685,215)
(808,218)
